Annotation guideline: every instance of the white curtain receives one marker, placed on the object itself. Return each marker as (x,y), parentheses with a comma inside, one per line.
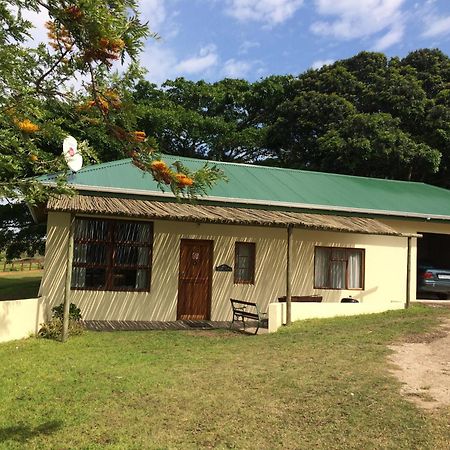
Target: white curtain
(338,268)
(354,269)
(338,265)
(321,261)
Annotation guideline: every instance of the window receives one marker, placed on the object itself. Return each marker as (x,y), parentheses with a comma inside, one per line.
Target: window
(338,268)
(112,255)
(244,262)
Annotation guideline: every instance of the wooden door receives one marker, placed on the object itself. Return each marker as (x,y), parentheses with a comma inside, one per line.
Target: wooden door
(194,282)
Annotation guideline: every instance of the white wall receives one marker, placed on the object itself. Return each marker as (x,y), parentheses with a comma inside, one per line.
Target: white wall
(20,318)
(302,311)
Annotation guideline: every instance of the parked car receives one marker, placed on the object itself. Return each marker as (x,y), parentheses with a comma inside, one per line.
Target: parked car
(433,281)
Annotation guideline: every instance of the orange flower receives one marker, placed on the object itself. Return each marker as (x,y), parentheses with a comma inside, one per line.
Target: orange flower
(103,43)
(139,136)
(27,126)
(183,180)
(159,166)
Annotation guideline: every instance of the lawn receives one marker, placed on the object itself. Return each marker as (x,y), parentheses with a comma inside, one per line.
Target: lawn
(321,384)
(18,285)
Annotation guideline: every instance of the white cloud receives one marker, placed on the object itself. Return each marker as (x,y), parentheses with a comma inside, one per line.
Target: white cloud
(248,45)
(154,12)
(321,62)
(270,12)
(236,69)
(361,18)
(160,61)
(393,36)
(206,59)
(436,26)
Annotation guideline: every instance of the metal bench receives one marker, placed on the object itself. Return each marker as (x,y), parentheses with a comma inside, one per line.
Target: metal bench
(247,310)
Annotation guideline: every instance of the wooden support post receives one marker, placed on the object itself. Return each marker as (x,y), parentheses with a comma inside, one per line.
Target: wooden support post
(65,331)
(289,275)
(408,274)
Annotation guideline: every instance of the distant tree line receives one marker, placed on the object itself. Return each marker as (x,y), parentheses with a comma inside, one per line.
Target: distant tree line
(368,115)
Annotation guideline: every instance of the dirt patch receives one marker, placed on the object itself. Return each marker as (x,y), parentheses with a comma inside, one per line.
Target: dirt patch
(422,363)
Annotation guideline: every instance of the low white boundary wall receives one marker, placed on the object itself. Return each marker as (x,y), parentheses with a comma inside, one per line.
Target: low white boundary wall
(306,310)
(20,318)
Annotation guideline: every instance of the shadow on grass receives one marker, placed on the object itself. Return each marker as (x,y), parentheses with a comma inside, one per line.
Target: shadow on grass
(22,433)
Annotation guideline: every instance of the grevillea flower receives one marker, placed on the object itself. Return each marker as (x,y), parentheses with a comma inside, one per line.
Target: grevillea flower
(159,166)
(139,136)
(183,180)
(27,126)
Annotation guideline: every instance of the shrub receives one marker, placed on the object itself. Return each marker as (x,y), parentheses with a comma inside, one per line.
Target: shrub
(74,312)
(53,328)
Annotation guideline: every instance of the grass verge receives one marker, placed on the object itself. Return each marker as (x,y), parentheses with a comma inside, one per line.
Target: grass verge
(18,285)
(320,384)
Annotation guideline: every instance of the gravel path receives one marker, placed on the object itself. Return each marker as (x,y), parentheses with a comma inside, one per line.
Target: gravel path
(424,368)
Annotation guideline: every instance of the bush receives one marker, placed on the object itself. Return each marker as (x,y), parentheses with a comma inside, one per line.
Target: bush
(74,312)
(53,328)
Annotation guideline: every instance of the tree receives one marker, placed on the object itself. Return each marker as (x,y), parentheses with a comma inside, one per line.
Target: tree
(373,145)
(19,233)
(87,39)
(200,119)
(293,137)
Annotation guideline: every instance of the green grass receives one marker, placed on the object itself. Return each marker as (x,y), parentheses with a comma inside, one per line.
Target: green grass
(321,384)
(18,285)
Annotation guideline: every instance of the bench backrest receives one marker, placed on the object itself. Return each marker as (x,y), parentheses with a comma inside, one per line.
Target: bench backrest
(241,303)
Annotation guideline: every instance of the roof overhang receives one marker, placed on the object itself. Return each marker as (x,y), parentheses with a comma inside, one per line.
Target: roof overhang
(198,213)
(256,202)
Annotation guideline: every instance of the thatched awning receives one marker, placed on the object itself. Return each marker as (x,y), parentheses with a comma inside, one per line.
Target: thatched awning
(186,212)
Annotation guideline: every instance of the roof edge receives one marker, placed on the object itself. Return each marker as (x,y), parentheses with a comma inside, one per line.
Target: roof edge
(343,209)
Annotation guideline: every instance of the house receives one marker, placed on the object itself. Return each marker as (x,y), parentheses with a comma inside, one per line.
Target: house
(138,254)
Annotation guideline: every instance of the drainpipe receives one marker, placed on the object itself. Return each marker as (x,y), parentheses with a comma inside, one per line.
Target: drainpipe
(289,275)
(408,275)
(65,330)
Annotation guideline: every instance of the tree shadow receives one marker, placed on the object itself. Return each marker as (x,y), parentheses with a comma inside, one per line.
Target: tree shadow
(22,433)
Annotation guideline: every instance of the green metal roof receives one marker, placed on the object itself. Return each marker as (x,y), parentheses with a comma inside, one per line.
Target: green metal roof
(274,187)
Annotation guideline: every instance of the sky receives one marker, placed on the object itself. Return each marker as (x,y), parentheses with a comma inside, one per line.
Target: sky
(252,39)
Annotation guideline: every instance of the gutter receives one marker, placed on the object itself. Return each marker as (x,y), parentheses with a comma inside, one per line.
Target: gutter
(244,201)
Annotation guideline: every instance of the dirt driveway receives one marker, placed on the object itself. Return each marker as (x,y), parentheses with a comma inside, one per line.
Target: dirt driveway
(424,367)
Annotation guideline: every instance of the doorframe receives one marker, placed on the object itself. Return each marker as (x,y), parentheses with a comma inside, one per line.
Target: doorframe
(210,243)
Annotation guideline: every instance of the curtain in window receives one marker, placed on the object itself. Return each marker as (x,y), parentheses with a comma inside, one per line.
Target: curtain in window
(244,262)
(338,268)
(354,269)
(321,267)
(142,274)
(338,265)
(112,255)
(82,231)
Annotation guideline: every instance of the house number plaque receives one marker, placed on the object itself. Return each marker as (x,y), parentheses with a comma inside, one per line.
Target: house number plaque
(224,268)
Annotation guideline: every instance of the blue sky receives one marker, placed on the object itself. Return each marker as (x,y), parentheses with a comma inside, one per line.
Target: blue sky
(212,39)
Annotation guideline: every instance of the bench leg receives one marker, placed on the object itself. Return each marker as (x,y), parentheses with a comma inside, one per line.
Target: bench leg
(232,322)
